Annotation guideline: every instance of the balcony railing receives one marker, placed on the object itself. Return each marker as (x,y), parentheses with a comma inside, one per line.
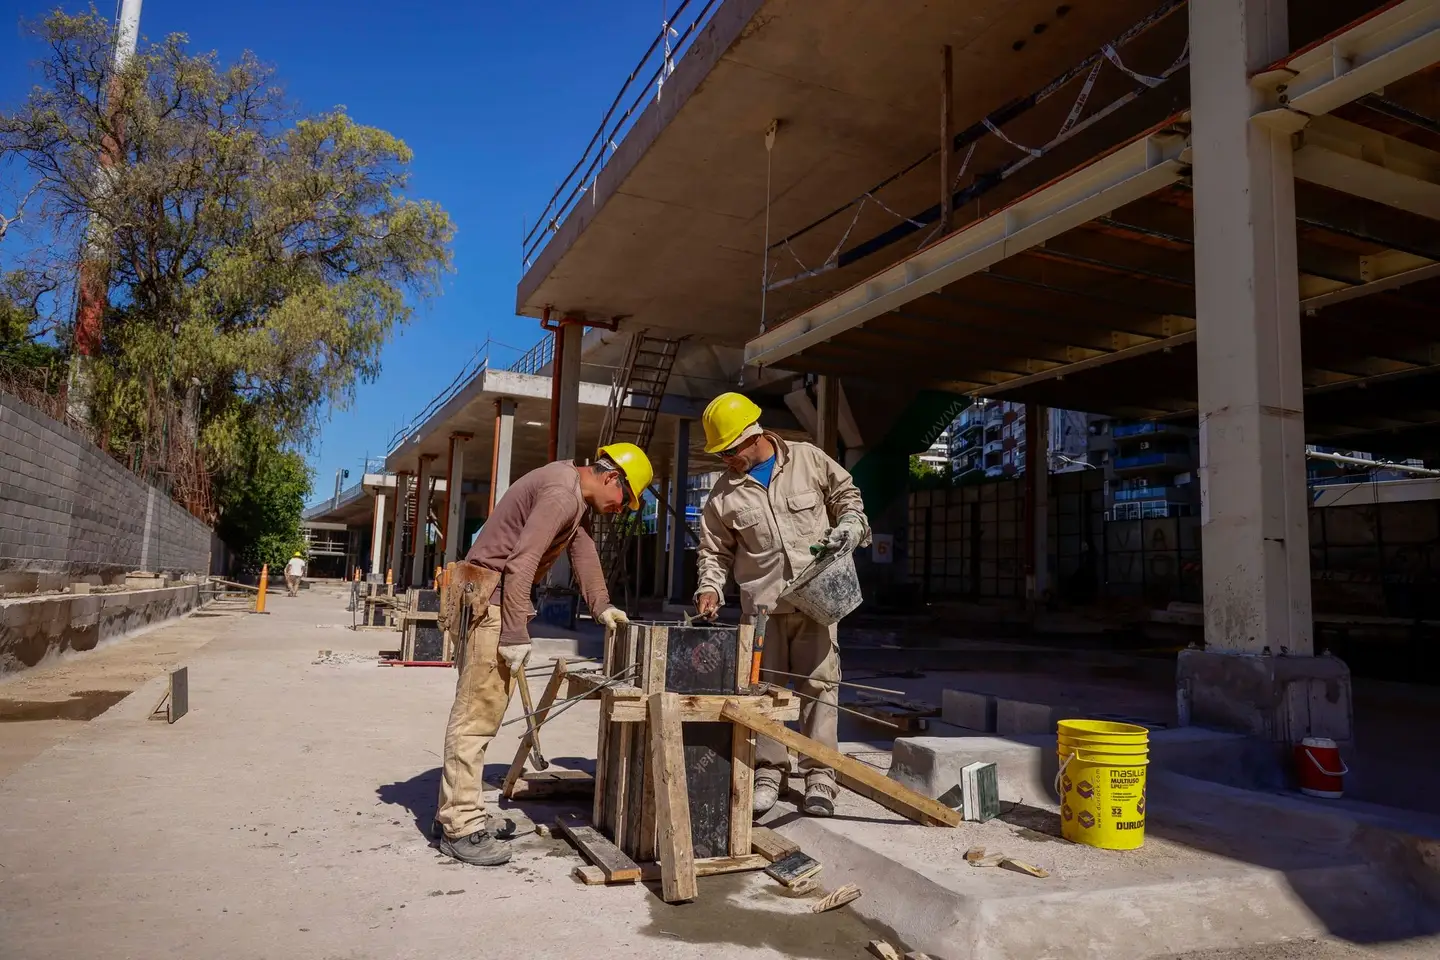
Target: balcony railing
(645,82)
(535,359)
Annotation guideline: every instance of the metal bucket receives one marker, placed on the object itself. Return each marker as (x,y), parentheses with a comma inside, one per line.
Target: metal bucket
(826,590)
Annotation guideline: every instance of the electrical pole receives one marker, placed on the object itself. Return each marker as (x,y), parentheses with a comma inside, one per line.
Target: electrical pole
(93,295)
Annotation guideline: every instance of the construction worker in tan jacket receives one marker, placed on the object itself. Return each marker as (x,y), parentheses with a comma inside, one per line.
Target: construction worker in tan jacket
(539,518)
(778,500)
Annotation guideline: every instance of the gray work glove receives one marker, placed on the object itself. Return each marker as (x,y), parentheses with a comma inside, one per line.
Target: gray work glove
(611,617)
(515,655)
(845,536)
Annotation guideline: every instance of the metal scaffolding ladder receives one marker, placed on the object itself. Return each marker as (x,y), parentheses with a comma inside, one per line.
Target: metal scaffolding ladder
(631,417)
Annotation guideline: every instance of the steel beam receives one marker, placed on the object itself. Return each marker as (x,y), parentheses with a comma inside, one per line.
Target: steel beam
(1128,174)
(1377,51)
(1353,159)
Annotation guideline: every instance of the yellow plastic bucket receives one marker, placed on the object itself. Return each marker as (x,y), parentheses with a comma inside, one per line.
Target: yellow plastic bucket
(1072,744)
(1102,731)
(1102,798)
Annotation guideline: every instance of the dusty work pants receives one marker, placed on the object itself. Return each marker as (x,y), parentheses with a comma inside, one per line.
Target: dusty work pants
(796,644)
(481,695)
(292,584)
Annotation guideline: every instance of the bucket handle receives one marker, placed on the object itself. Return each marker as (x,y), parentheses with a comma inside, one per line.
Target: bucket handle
(1343,769)
(1060,794)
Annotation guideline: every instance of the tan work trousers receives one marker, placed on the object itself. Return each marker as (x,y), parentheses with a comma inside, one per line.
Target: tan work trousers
(482,693)
(292,584)
(796,644)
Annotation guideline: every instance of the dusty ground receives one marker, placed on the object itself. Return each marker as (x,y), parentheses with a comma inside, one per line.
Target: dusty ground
(285,816)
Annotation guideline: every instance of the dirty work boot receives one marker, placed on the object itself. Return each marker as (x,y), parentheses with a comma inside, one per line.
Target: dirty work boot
(767,790)
(819,799)
(479,849)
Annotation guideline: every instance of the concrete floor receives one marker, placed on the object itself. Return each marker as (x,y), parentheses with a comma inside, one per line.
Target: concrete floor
(286,816)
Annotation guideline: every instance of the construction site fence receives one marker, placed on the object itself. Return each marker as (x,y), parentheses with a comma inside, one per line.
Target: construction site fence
(1378,559)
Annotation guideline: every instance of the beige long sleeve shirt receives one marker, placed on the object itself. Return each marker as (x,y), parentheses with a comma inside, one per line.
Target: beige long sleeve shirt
(763,535)
(536,520)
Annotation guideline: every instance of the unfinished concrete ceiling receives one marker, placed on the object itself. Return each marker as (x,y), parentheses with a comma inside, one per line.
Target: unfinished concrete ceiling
(673,232)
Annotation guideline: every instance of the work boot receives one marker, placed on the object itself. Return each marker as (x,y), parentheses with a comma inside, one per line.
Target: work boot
(767,790)
(819,798)
(478,849)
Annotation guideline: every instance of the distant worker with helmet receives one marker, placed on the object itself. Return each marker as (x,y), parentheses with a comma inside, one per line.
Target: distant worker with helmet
(778,500)
(294,573)
(538,518)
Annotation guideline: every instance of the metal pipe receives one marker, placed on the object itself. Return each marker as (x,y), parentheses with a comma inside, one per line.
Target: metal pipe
(569,702)
(1373,464)
(843,683)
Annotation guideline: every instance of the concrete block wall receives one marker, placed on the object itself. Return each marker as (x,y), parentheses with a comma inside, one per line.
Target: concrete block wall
(69,511)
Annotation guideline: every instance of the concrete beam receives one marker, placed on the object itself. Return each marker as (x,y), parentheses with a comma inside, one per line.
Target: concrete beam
(1132,172)
(377,534)
(455,503)
(397,526)
(1377,51)
(504,450)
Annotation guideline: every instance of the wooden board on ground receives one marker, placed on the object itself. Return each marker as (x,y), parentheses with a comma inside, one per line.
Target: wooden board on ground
(552,784)
(904,719)
(669,755)
(852,774)
(175,702)
(794,868)
(591,875)
(771,845)
(599,851)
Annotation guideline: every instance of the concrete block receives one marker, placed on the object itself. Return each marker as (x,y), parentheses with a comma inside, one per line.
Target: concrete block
(1021,718)
(964,708)
(1280,699)
(931,765)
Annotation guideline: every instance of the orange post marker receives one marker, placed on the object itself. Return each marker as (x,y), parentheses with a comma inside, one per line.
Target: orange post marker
(264,583)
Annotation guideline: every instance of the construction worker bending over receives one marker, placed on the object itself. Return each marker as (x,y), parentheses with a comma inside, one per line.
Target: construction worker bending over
(776,501)
(537,518)
(294,571)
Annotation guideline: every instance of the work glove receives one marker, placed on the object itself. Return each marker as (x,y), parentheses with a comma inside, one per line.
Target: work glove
(845,536)
(611,618)
(515,655)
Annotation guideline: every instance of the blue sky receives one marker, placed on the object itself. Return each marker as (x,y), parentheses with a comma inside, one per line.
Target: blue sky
(497,99)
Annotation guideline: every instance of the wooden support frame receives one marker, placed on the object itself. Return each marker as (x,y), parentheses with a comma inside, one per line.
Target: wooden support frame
(672,799)
(542,710)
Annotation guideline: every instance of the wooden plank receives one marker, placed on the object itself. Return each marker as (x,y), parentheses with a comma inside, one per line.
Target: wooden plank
(770,844)
(794,868)
(597,849)
(699,708)
(713,866)
(552,783)
(667,756)
(647,819)
(742,789)
(852,774)
(552,690)
(620,766)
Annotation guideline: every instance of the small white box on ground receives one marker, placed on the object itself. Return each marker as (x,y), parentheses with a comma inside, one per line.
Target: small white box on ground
(974,711)
(980,785)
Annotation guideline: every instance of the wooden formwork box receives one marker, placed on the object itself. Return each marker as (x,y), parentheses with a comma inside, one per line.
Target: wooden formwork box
(705,667)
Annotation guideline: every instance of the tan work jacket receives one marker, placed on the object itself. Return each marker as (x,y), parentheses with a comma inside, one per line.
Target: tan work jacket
(764,535)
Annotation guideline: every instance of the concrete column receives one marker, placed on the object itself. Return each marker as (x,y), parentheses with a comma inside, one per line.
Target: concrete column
(455,497)
(418,574)
(680,473)
(1037,501)
(569,421)
(503,452)
(397,526)
(1254,508)
(662,531)
(827,415)
(377,536)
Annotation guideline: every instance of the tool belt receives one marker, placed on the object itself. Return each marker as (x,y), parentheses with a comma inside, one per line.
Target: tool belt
(466,599)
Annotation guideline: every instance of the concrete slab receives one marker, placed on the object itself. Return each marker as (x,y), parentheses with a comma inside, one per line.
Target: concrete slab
(964,708)
(1248,874)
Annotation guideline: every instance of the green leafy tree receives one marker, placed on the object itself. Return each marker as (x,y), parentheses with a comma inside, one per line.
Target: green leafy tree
(259,258)
(924,476)
(261,509)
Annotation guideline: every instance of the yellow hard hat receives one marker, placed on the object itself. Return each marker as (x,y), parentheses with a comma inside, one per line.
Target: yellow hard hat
(297,553)
(726,418)
(634,464)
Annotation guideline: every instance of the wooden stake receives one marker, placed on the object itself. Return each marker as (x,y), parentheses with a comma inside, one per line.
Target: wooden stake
(852,774)
(672,799)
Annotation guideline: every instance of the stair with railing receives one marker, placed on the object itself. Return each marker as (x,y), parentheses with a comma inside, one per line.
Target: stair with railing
(631,417)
